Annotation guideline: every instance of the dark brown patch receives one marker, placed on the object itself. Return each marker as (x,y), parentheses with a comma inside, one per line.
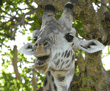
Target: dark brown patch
(49,73)
(67,61)
(55,87)
(71,52)
(61,78)
(61,65)
(57,62)
(72,44)
(65,53)
(45,81)
(62,54)
(68,54)
(52,79)
(68,65)
(73,57)
(61,60)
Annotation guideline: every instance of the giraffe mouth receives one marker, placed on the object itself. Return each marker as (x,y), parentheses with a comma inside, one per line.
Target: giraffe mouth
(42,59)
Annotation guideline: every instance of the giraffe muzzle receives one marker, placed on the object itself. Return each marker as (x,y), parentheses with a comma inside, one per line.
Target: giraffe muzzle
(41,55)
(41,64)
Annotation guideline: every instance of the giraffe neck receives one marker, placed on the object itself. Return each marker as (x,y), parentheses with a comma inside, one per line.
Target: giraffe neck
(58,80)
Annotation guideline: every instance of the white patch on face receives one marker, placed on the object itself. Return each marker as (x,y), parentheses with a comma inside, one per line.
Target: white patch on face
(62,62)
(61,46)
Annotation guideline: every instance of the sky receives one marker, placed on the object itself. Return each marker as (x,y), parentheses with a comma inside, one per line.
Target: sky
(20,39)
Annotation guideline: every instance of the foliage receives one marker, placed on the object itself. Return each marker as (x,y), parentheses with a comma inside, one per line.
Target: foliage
(11,14)
(79,26)
(107,53)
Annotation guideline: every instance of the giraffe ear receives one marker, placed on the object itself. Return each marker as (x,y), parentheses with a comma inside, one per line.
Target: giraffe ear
(27,49)
(91,46)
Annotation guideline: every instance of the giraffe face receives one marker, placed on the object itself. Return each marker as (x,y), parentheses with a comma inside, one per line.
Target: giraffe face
(55,42)
(48,46)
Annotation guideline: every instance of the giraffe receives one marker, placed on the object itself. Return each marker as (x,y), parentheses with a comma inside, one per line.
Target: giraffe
(54,48)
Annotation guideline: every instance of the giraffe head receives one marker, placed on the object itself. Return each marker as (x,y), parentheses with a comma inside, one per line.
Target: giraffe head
(55,42)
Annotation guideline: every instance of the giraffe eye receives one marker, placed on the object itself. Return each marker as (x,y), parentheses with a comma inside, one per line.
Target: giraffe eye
(35,38)
(46,43)
(69,37)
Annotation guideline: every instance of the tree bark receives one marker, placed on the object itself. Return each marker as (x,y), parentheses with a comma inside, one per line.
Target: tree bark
(97,72)
(102,10)
(34,81)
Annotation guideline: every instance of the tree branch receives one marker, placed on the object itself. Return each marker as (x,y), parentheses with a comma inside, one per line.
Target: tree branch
(14,62)
(34,82)
(22,21)
(5,35)
(102,10)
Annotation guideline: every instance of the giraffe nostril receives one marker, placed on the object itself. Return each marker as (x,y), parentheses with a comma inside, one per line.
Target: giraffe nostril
(41,62)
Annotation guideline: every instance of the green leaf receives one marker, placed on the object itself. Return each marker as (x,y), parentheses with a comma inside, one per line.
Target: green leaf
(29,38)
(40,12)
(23,31)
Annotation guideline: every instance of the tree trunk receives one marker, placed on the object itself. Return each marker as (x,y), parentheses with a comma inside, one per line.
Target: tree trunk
(97,72)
